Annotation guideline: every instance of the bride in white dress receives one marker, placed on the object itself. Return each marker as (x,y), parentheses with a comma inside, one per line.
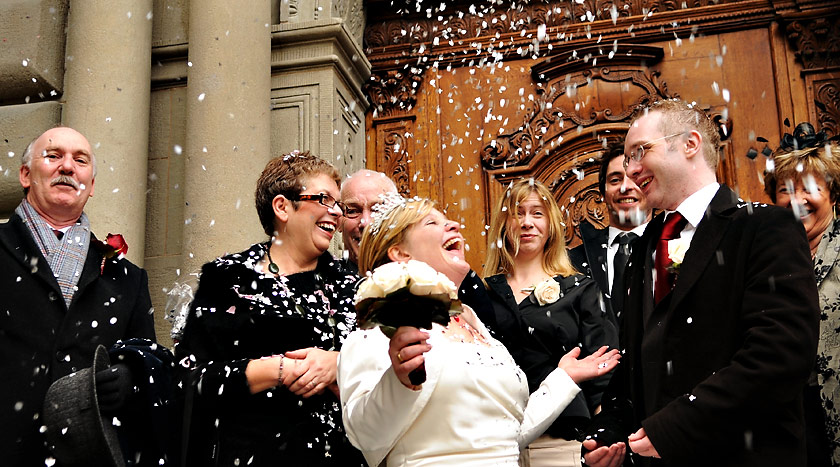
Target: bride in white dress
(474,408)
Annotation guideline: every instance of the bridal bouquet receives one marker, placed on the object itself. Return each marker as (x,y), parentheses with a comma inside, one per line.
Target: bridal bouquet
(405,294)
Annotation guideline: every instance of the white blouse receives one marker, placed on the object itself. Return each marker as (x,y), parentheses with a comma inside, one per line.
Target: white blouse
(473,410)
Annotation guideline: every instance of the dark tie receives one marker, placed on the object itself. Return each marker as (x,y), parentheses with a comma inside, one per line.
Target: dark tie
(664,277)
(624,241)
(58,234)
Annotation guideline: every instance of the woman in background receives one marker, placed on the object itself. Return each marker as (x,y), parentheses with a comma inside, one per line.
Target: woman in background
(544,308)
(806,179)
(474,409)
(263,333)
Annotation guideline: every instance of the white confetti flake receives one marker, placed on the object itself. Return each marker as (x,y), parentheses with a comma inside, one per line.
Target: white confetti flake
(201,97)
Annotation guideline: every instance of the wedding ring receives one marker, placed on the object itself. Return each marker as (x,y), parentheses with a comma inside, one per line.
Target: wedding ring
(312,384)
(399,356)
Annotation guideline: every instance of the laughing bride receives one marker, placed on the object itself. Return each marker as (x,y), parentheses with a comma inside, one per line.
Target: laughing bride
(474,408)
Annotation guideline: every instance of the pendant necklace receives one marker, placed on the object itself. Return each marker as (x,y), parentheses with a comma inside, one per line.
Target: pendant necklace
(272,266)
(275,269)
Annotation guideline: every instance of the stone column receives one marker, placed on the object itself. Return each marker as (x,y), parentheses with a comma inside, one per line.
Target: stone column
(228,126)
(106,98)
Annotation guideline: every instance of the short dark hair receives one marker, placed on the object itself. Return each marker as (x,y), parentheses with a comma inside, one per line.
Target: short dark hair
(615,148)
(285,175)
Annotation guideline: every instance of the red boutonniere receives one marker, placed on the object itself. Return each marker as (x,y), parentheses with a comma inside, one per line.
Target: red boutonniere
(114,246)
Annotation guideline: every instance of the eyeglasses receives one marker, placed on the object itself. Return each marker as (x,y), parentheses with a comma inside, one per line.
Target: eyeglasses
(322,198)
(351,212)
(638,153)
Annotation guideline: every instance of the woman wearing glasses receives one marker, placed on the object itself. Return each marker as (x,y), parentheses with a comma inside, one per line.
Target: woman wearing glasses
(264,330)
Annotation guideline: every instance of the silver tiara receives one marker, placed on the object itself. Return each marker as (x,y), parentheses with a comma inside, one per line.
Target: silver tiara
(380,211)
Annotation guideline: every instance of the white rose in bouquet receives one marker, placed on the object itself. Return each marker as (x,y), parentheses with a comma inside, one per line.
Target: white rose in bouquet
(547,291)
(368,289)
(424,280)
(392,277)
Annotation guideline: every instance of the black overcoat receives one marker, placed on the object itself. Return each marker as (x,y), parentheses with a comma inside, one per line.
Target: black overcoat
(42,340)
(715,372)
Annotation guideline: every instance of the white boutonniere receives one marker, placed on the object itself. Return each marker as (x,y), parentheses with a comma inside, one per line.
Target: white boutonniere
(547,291)
(677,249)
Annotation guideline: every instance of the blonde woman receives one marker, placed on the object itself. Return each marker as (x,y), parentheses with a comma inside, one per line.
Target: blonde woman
(474,409)
(544,308)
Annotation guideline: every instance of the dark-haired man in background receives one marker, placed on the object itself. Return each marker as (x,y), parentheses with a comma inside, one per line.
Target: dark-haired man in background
(604,253)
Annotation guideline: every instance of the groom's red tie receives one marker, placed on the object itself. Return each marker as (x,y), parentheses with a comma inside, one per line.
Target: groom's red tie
(674,224)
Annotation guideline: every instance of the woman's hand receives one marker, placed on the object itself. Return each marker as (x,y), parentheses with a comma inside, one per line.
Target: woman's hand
(406,350)
(598,364)
(310,371)
(596,455)
(264,373)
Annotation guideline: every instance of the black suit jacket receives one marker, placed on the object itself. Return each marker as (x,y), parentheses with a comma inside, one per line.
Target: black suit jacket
(590,257)
(714,372)
(41,340)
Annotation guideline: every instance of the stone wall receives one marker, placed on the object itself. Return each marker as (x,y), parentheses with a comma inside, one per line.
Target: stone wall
(184,102)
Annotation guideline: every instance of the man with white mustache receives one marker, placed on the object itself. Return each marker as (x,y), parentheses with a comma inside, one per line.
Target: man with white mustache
(63,294)
(603,254)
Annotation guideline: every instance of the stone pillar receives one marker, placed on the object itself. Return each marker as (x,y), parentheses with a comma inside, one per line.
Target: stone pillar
(106,98)
(228,126)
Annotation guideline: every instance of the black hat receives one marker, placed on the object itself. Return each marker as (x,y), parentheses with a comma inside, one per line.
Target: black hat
(77,433)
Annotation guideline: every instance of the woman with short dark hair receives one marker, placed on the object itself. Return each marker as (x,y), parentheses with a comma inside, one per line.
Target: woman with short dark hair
(263,333)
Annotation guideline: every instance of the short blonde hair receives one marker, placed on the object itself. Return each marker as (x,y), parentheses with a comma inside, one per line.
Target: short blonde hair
(681,116)
(373,249)
(791,164)
(500,260)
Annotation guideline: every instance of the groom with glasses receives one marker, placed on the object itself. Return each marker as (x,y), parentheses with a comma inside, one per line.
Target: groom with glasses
(719,333)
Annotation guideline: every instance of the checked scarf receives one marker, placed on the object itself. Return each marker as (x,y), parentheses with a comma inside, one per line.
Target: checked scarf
(66,257)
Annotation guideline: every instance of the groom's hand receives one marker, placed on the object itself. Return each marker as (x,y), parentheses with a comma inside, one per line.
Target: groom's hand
(641,445)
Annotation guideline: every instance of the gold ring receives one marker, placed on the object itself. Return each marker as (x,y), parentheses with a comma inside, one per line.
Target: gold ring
(312,384)
(399,356)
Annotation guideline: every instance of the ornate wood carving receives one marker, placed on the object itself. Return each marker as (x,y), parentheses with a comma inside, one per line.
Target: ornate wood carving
(827,93)
(815,38)
(816,41)
(561,106)
(465,22)
(393,92)
(394,144)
